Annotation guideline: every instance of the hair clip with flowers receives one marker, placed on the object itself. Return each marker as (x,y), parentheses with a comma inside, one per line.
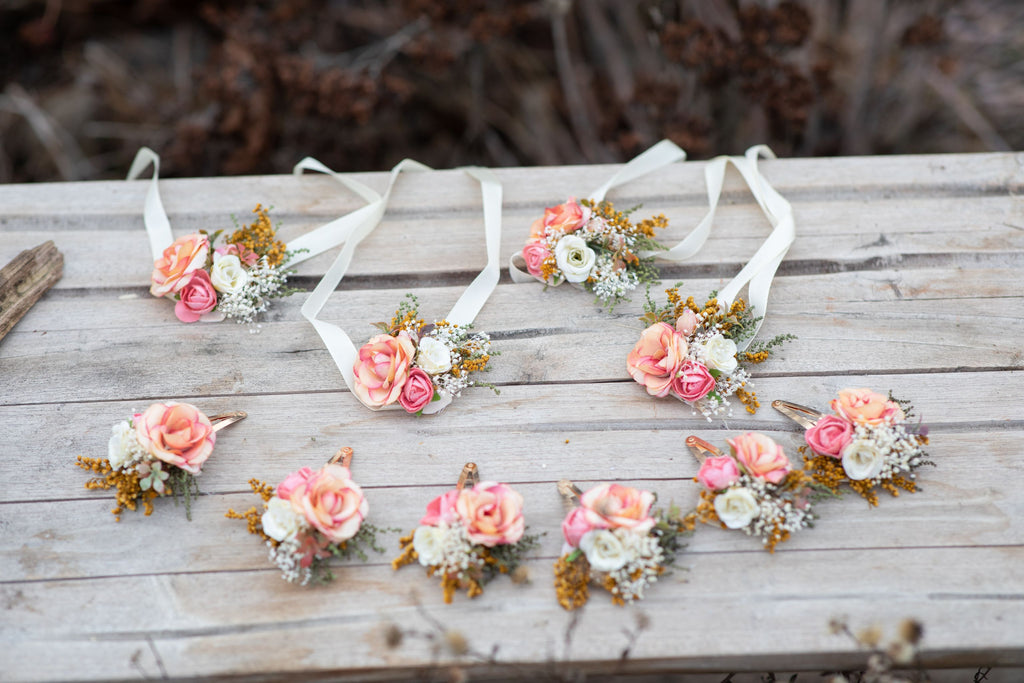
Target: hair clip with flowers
(753,488)
(868,443)
(238,277)
(417,366)
(697,353)
(614,540)
(469,535)
(311,517)
(158,452)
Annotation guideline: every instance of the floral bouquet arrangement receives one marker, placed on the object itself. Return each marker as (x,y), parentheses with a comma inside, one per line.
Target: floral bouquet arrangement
(593,245)
(311,517)
(613,539)
(753,488)
(158,452)
(689,352)
(469,536)
(234,280)
(421,367)
(868,443)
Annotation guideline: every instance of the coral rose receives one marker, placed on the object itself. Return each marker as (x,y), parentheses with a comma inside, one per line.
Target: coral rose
(864,406)
(656,358)
(417,392)
(332,503)
(176,433)
(692,381)
(441,510)
(830,436)
(383,368)
(614,505)
(187,255)
(565,218)
(718,473)
(492,514)
(535,253)
(760,457)
(198,297)
(575,525)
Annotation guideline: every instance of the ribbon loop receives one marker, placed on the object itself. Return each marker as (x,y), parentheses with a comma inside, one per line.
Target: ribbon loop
(662,154)
(158,227)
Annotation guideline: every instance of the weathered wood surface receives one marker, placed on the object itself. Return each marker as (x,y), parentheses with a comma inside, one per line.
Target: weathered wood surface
(906,274)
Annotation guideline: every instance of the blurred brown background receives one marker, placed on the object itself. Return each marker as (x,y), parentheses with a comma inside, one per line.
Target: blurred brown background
(221,88)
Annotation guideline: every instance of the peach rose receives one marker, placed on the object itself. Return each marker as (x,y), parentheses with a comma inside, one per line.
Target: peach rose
(565,218)
(441,510)
(492,514)
(760,456)
(331,502)
(692,381)
(383,368)
(864,406)
(656,358)
(614,505)
(176,433)
(417,392)
(830,436)
(179,260)
(292,482)
(575,525)
(198,297)
(535,253)
(718,473)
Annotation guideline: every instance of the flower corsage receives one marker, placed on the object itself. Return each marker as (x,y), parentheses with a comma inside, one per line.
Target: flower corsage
(158,452)
(469,535)
(234,280)
(311,517)
(753,488)
(868,443)
(419,366)
(690,352)
(593,245)
(614,540)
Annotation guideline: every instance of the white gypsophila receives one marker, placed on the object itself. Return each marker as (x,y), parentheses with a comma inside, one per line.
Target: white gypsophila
(428,542)
(574,258)
(727,383)
(736,507)
(604,550)
(124,448)
(776,514)
(265,282)
(476,345)
(287,557)
(641,569)
(901,450)
(611,283)
(227,274)
(720,353)
(863,459)
(450,548)
(280,520)
(433,356)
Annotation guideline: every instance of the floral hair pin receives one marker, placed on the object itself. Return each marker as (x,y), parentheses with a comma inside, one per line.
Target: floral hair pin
(158,452)
(698,353)
(753,488)
(614,540)
(868,443)
(311,517)
(469,535)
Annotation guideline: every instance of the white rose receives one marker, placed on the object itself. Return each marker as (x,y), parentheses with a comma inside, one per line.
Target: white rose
(227,274)
(428,542)
(434,357)
(720,353)
(122,444)
(862,460)
(604,551)
(737,508)
(280,521)
(575,259)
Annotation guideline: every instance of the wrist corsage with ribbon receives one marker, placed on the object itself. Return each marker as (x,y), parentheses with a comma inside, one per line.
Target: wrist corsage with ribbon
(869,443)
(613,539)
(158,452)
(753,488)
(311,517)
(469,535)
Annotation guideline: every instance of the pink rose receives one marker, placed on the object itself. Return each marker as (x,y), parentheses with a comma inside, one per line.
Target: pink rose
(492,514)
(864,406)
(692,381)
(441,509)
(292,482)
(244,253)
(383,368)
(417,392)
(830,436)
(718,472)
(331,502)
(686,323)
(760,457)
(535,253)
(198,297)
(613,505)
(179,260)
(565,218)
(176,433)
(655,359)
(575,525)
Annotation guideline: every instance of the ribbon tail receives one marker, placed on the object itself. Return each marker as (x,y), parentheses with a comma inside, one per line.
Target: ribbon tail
(660,155)
(154,217)
(473,299)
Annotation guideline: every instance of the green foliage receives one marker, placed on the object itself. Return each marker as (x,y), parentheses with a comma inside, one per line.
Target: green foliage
(509,557)
(670,529)
(768,345)
(185,487)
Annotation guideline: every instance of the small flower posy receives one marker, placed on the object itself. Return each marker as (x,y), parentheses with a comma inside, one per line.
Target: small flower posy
(158,452)
(421,367)
(469,535)
(593,245)
(310,517)
(869,443)
(235,280)
(615,540)
(753,488)
(689,351)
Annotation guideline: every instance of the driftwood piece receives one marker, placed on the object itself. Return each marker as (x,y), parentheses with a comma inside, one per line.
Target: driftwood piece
(25,279)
